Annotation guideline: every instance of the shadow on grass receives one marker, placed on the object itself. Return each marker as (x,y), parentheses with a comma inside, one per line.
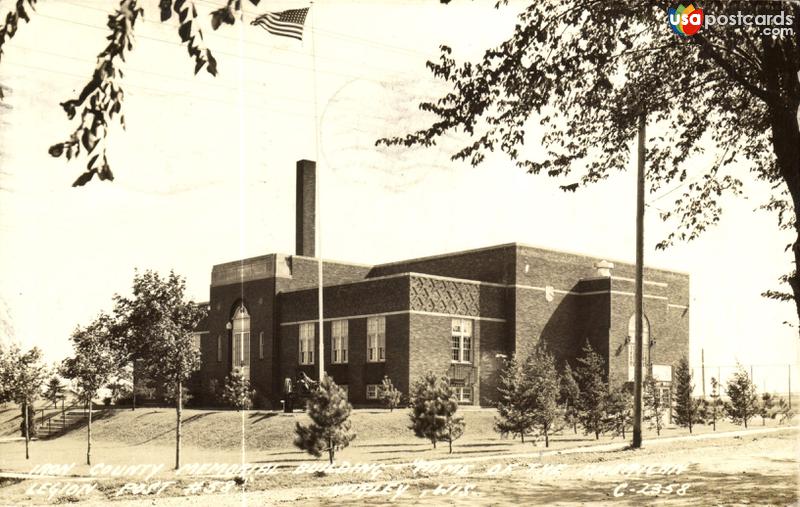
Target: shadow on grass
(489,444)
(170,431)
(388,445)
(396,451)
(260,416)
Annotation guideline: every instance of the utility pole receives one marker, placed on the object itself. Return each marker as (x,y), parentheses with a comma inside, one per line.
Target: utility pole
(637,367)
(703,370)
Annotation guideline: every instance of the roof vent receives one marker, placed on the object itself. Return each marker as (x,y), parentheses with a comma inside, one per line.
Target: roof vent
(604,268)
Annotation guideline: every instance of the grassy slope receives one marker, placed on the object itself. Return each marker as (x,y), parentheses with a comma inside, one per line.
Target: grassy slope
(222,429)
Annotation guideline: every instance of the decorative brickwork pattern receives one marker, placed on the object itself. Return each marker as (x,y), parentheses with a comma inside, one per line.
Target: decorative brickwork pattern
(444,296)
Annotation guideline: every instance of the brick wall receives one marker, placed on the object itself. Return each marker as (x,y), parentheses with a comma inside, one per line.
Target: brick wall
(357,373)
(494,264)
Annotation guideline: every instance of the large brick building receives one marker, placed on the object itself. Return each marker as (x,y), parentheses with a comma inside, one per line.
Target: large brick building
(459,313)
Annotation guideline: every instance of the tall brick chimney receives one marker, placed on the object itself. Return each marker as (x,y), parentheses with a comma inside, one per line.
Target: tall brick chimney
(306,206)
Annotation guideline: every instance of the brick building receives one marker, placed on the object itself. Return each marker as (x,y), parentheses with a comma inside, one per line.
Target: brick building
(459,313)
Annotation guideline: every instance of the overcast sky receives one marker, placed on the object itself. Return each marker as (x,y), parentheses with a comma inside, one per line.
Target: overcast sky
(205,172)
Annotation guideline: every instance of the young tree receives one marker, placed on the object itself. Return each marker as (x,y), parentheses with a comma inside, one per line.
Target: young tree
(54,391)
(389,394)
(23,375)
(433,404)
(687,408)
(767,408)
(653,404)
(237,392)
(619,410)
(543,389)
(538,76)
(784,412)
(156,326)
(330,429)
(92,366)
(714,406)
(513,411)
(570,396)
(743,400)
(593,388)
(453,429)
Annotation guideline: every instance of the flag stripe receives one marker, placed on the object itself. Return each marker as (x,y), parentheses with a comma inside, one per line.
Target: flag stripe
(286,33)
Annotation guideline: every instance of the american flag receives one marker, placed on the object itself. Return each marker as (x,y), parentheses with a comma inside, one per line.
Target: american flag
(285,23)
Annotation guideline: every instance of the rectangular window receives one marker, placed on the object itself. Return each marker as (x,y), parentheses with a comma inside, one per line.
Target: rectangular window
(306,341)
(464,394)
(241,349)
(339,341)
(219,348)
(261,345)
(376,339)
(372,391)
(461,341)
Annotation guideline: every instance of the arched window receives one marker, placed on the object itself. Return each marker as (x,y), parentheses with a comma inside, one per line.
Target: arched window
(632,345)
(241,337)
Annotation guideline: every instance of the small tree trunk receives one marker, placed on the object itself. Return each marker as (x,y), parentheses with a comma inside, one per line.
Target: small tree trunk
(330,451)
(133,388)
(27,431)
(546,438)
(178,413)
(433,440)
(575,427)
(450,442)
(89,437)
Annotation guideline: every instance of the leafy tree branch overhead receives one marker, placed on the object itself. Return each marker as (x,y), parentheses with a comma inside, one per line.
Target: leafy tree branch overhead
(582,71)
(101,99)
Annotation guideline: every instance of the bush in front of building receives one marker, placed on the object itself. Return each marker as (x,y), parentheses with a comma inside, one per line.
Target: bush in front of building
(687,407)
(590,376)
(569,397)
(743,400)
(513,414)
(237,392)
(619,410)
(389,394)
(433,410)
(654,408)
(330,429)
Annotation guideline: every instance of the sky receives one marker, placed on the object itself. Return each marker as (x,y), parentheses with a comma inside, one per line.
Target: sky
(205,172)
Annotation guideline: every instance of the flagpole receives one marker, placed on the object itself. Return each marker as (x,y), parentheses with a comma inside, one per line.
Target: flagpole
(318,219)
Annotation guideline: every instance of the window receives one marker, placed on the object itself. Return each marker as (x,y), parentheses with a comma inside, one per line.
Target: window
(372,391)
(339,341)
(241,337)
(463,393)
(632,345)
(261,345)
(461,337)
(307,343)
(376,339)
(219,348)
(197,340)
